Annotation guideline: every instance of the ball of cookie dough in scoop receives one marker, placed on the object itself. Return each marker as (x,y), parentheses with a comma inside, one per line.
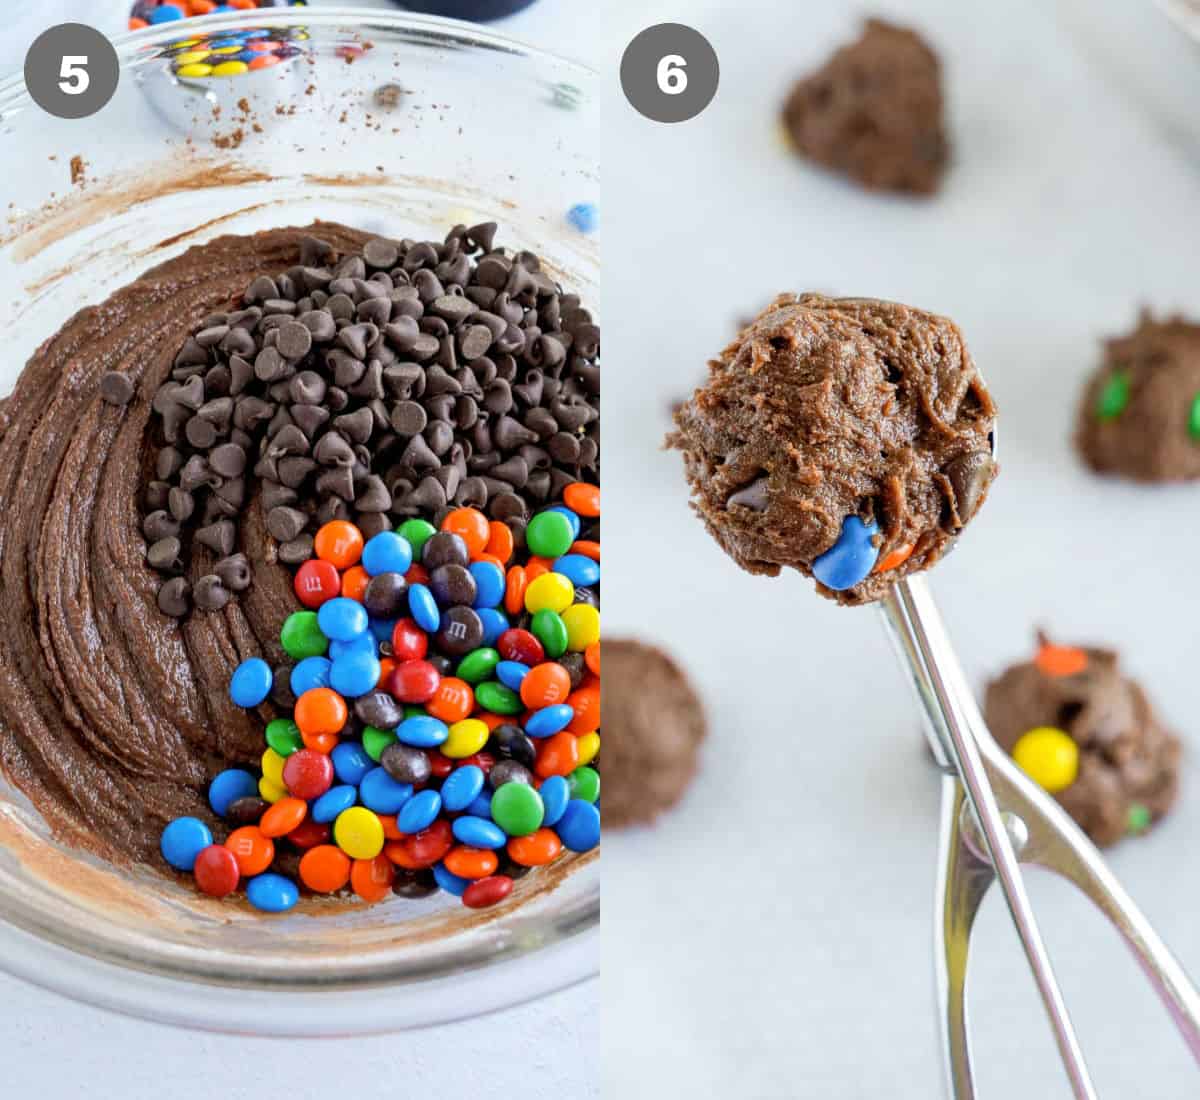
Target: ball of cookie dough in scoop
(1140,414)
(847,438)
(653,727)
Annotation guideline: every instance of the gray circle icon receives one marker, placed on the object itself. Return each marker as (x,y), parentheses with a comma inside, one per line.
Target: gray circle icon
(670,72)
(71,70)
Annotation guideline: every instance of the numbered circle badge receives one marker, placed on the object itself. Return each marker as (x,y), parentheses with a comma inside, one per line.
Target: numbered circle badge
(670,72)
(71,70)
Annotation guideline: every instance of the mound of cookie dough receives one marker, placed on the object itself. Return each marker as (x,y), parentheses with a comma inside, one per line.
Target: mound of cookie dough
(1140,414)
(874,112)
(653,727)
(846,438)
(1126,767)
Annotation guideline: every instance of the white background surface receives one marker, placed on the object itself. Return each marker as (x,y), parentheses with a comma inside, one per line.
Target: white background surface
(787,949)
(771,938)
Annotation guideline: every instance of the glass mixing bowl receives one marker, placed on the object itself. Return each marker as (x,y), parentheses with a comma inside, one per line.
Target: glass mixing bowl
(401,125)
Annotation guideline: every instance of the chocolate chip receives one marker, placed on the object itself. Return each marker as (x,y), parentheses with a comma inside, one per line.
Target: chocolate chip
(320,324)
(380,253)
(174,597)
(228,460)
(356,426)
(281,689)
(294,469)
(298,550)
(219,537)
(752,496)
(164,555)
(408,417)
(294,340)
(210,594)
(116,388)
(333,450)
(969,476)
(160,525)
(310,419)
(234,572)
(374,496)
(261,289)
(284,523)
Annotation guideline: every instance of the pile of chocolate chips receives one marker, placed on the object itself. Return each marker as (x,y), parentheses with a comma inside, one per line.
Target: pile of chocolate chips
(403,380)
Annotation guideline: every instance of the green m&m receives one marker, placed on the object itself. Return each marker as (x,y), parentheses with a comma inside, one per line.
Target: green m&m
(417,532)
(283,735)
(549,534)
(1113,397)
(478,665)
(498,699)
(301,636)
(548,628)
(518,809)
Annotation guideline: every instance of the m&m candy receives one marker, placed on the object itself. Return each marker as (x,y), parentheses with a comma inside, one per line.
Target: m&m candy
(420,741)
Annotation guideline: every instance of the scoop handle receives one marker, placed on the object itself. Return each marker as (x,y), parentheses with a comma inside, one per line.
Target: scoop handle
(958,734)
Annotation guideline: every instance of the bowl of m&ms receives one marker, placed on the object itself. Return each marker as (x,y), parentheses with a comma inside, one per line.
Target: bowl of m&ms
(156,13)
(299,732)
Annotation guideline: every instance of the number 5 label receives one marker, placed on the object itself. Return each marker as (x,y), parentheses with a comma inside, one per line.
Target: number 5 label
(72,70)
(75,78)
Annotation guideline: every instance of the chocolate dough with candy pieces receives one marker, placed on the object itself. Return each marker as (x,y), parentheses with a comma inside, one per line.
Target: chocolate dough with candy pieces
(1140,413)
(1129,763)
(114,716)
(846,438)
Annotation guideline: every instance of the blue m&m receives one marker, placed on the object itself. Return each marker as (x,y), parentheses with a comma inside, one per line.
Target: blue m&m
(849,561)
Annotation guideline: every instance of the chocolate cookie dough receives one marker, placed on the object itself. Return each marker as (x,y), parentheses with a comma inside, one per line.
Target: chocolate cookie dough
(653,727)
(1128,769)
(849,439)
(1140,414)
(874,112)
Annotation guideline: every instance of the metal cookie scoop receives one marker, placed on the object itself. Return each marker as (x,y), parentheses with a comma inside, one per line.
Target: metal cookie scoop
(995,818)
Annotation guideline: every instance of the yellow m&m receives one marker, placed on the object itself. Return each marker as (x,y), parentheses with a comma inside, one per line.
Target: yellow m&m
(583,626)
(1049,757)
(549,592)
(359,833)
(466,738)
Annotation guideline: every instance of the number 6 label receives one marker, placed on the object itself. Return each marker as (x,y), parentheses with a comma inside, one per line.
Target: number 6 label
(669,72)
(672,80)
(72,70)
